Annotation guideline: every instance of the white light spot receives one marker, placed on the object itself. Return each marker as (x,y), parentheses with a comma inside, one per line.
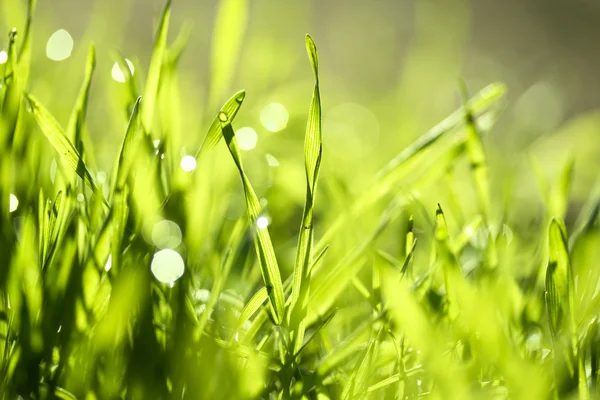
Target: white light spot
(118,75)
(262,222)
(3,57)
(13,203)
(59,46)
(171,284)
(419,382)
(101,177)
(246,138)
(53,168)
(188,163)
(108,264)
(202,295)
(156,142)
(237,336)
(166,234)
(167,266)
(80,198)
(533,342)
(274,117)
(59,328)
(263,202)
(272,161)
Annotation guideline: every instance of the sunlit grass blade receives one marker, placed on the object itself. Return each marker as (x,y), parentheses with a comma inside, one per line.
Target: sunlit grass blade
(154,70)
(129,147)
(227,37)
(77,118)
(313,149)
(252,306)
(559,280)
(483,104)
(588,215)
(63,146)
(262,243)
(230,108)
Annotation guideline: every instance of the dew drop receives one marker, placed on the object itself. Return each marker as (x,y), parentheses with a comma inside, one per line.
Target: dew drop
(262,222)
(12,35)
(240,97)
(13,203)
(3,57)
(167,266)
(223,117)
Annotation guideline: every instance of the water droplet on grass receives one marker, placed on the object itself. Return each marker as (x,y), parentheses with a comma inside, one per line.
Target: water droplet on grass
(3,57)
(166,234)
(118,75)
(188,163)
(223,117)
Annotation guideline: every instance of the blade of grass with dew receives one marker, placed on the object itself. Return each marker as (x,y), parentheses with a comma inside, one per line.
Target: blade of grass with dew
(252,306)
(262,243)
(63,146)
(154,69)
(313,151)
(230,108)
(228,34)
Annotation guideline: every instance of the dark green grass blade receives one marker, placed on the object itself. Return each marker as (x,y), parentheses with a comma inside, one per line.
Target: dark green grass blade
(262,243)
(230,108)
(154,70)
(313,150)
(57,138)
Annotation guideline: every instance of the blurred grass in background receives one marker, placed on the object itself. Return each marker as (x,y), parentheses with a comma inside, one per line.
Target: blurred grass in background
(388,72)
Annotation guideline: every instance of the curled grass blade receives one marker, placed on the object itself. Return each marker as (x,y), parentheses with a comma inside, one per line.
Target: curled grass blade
(313,150)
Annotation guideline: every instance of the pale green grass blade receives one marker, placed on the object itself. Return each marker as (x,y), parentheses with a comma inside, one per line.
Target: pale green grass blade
(227,38)
(588,215)
(57,138)
(154,70)
(262,243)
(77,119)
(230,108)
(313,150)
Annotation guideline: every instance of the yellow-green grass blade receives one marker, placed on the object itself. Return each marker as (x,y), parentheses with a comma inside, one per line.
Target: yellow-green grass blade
(129,148)
(313,150)
(154,70)
(559,281)
(63,146)
(252,306)
(77,118)
(485,103)
(228,34)
(230,108)
(262,243)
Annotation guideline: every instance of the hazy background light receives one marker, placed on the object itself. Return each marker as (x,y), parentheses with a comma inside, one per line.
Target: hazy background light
(59,46)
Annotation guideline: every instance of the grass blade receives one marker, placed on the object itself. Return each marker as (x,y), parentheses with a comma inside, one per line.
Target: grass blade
(252,306)
(228,34)
(313,150)
(129,147)
(262,243)
(230,108)
(61,143)
(77,119)
(559,279)
(154,70)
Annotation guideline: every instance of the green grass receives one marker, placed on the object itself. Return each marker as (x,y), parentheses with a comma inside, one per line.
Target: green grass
(387,296)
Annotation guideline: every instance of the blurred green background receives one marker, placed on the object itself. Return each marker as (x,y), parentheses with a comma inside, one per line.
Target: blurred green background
(389,72)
